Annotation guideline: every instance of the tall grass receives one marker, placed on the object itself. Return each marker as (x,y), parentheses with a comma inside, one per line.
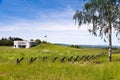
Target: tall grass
(60,71)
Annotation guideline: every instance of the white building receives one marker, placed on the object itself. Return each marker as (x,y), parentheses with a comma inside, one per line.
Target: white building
(24,44)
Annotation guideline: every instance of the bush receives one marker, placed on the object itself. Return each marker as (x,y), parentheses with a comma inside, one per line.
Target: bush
(38,41)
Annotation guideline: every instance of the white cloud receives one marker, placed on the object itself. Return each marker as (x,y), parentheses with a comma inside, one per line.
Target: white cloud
(56,20)
(58,25)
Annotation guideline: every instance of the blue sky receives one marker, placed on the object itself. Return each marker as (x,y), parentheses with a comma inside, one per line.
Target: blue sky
(33,19)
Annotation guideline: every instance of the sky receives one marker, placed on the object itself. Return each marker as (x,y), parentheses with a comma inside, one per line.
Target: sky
(35,19)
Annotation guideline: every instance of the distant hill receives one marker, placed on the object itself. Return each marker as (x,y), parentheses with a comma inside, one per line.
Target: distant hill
(92,46)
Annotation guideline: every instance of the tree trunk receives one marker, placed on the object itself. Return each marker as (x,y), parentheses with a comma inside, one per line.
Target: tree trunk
(110,43)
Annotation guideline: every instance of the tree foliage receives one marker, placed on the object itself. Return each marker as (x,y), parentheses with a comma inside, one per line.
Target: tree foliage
(100,13)
(8,41)
(38,41)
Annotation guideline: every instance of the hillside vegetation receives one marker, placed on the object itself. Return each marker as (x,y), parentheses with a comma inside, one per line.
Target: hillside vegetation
(43,68)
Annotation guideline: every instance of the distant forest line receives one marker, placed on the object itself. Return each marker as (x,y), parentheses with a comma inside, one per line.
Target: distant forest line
(9,41)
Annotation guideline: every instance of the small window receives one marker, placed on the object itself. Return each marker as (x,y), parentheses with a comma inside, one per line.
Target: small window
(22,46)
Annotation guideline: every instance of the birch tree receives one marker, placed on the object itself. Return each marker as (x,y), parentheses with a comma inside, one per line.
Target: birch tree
(104,16)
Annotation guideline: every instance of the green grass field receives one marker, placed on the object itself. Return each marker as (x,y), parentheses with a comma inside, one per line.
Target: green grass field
(92,69)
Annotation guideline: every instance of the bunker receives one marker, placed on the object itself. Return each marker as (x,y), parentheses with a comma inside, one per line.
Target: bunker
(24,44)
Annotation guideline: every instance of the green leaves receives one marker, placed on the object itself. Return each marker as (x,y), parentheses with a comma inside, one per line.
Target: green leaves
(99,13)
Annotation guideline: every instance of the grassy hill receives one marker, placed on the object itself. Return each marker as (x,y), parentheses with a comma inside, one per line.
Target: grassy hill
(92,69)
(46,50)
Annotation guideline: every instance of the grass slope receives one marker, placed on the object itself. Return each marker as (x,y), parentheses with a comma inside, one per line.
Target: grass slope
(49,70)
